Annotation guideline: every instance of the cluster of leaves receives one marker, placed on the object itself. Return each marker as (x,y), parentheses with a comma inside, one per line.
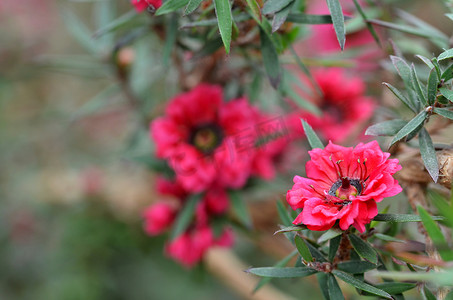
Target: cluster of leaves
(424,100)
(347,255)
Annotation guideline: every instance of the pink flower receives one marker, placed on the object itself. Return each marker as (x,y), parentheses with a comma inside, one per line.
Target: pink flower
(343,184)
(158,217)
(343,104)
(190,247)
(141,5)
(206,141)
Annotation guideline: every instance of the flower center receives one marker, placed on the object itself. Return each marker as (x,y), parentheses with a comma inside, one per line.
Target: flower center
(345,187)
(206,137)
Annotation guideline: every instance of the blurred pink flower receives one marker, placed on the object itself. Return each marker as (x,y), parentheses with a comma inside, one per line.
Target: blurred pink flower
(158,218)
(343,104)
(206,141)
(141,5)
(190,247)
(343,184)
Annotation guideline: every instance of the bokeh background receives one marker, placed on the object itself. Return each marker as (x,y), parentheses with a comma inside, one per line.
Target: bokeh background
(73,173)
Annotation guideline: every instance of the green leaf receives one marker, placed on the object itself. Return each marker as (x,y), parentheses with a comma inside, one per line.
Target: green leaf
(435,234)
(279,264)
(171,6)
(442,206)
(388,238)
(255,9)
(363,249)
(432,86)
(360,284)
(333,288)
(270,60)
(304,69)
(338,21)
(417,85)
(192,6)
(428,294)
(171,30)
(445,55)
(273,6)
(368,25)
(386,128)
(301,18)
(317,255)
(280,17)
(447,74)
(329,234)
(395,288)
(313,139)
(283,213)
(126,20)
(410,127)
(282,272)
(225,21)
(291,229)
(302,248)
(185,217)
(428,154)
(322,280)
(288,90)
(401,218)
(356,267)
(447,93)
(79,31)
(401,97)
(240,209)
(426,61)
(333,247)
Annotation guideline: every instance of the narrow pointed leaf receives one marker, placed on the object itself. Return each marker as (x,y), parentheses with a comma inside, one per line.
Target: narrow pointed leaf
(386,128)
(401,218)
(428,154)
(364,249)
(185,216)
(333,247)
(225,21)
(395,288)
(410,127)
(404,70)
(171,30)
(255,9)
(171,6)
(428,294)
(270,59)
(445,55)
(417,86)
(401,97)
(338,21)
(280,17)
(432,86)
(435,234)
(322,280)
(315,253)
(356,267)
(291,228)
(301,18)
(282,272)
(302,248)
(368,25)
(360,284)
(192,6)
(330,234)
(426,61)
(447,93)
(273,6)
(313,139)
(282,263)
(333,288)
(447,74)
(388,238)
(444,112)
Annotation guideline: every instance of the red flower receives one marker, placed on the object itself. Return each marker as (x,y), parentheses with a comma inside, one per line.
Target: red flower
(343,184)
(158,218)
(141,5)
(190,247)
(343,104)
(207,142)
